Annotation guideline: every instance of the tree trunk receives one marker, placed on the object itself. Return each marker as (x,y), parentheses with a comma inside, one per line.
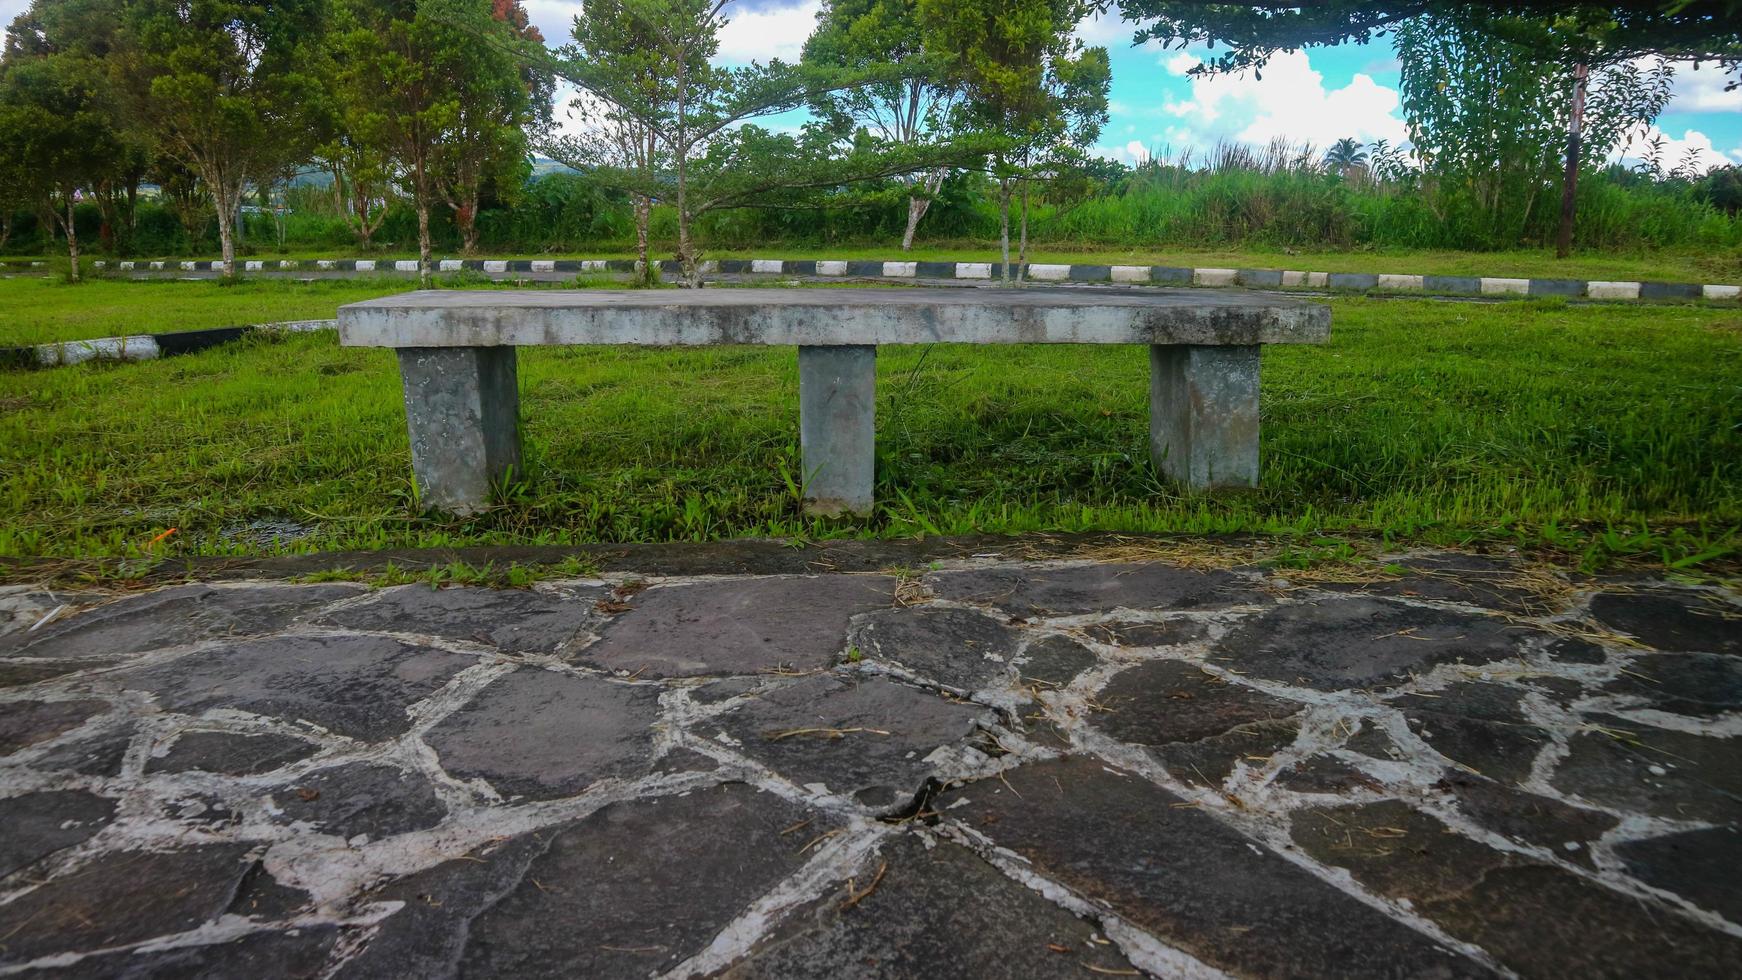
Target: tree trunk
(423,246)
(1570,183)
(466,216)
(916,209)
(226,243)
(647,275)
(1022,249)
(229,208)
(1004,229)
(72,240)
(5,226)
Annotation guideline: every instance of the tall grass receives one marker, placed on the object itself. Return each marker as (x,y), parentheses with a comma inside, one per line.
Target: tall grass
(1279,195)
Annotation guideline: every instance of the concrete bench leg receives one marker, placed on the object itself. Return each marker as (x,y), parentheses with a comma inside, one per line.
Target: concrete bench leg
(837,396)
(462,405)
(1203,414)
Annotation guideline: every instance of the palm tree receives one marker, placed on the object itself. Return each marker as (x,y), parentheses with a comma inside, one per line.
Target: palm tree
(1345,154)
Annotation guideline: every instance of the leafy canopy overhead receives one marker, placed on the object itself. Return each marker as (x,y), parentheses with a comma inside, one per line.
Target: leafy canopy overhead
(1250,33)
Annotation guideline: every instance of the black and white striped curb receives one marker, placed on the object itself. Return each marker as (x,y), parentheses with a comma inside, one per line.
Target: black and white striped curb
(144,346)
(1158,275)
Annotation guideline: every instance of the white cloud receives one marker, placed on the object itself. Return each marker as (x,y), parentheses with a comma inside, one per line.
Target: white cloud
(1702,90)
(773,32)
(1137,151)
(1290,102)
(1692,142)
(555,19)
(1106,31)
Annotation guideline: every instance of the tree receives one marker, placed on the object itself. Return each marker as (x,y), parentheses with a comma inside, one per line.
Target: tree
(1487,114)
(1029,78)
(500,90)
(630,86)
(223,88)
(1346,154)
(55,136)
(433,86)
(362,184)
(1577,37)
(918,111)
(700,115)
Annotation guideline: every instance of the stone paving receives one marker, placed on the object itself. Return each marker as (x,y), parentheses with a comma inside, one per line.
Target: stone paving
(1461,767)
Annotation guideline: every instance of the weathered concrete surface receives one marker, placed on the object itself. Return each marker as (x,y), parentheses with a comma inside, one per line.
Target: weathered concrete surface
(462,408)
(1457,768)
(837,427)
(737,626)
(491,318)
(872,740)
(512,619)
(546,734)
(1203,414)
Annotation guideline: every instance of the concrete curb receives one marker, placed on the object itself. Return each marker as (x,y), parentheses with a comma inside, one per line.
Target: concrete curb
(144,347)
(987,271)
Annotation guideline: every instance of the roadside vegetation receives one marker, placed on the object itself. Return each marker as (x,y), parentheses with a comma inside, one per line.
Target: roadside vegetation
(1598,431)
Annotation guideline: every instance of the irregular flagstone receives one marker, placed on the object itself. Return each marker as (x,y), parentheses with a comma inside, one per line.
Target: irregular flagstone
(98,755)
(514,620)
(1198,725)
(280,954)
(954,648)
(1480,726)
(1575,650)
(870,739)
(374,801)
(22,607)
(233,753)
(14,673)
(1535,919)
(1076,589)
(1054,661)
(632,890)
(263,897)
(1651,770)
(25,723)
(354,685)
(1374,742)
(1527,817)
(1698,865)
(1672,620)
(937,911)
(737,626)
(1167,633)
(1196,884)
(1471,579)
(541,734)
(1360,642)
(1700,684)
(1324,774)
(121,898)
(39,824)
(172,617)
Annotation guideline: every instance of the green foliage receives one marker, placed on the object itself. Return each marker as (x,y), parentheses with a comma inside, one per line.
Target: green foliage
(1251,33)
(224,89)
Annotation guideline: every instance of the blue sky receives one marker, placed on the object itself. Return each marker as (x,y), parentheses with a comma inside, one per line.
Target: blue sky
(1320,94)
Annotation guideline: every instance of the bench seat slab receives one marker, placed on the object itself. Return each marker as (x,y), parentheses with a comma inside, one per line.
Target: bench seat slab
(837,397)
(1203,414)
(462,407)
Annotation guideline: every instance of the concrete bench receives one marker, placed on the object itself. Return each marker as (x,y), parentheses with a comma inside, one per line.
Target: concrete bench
(457,360)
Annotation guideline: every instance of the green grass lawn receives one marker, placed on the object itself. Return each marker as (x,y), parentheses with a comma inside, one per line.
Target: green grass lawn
(1612,429)
(42,310)
(1701,265)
